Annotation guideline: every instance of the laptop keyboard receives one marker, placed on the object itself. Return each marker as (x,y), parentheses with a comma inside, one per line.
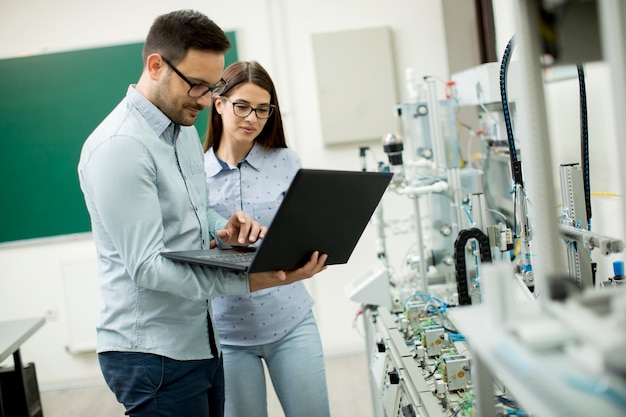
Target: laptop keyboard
(237,258)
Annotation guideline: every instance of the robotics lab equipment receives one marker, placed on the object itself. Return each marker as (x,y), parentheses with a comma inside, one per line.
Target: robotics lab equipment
(502,311)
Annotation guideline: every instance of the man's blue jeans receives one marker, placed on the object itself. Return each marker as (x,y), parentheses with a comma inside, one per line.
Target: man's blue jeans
(155,386)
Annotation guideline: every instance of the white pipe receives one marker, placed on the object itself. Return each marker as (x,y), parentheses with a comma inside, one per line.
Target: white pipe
(436,136)
(421,163)
(420,241)
(438,187)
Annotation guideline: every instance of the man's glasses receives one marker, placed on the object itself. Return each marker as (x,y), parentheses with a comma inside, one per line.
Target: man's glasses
(196,90)
(264,111)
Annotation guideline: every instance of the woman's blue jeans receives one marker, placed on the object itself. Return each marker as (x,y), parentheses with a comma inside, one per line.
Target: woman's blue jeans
(296,368)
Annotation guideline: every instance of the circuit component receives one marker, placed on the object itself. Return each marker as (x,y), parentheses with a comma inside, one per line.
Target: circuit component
(414,311)
(455,372)
(432,340)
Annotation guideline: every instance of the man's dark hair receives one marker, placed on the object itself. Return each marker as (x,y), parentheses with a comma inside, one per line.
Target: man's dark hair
(173,34)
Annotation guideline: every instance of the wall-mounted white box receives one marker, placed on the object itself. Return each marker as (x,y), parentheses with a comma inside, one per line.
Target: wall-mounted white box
(356,83)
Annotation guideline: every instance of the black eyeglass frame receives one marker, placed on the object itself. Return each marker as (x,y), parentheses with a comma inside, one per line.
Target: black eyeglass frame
(272,107)
(211,88)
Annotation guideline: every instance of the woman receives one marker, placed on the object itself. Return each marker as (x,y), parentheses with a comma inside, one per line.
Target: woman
(249,167)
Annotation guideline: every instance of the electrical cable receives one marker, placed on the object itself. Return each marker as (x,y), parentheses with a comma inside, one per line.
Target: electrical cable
(469,216)
(516,167)
(430,375)
(506,401)
(459,259)
(598,387)
(460,407)
(584,141)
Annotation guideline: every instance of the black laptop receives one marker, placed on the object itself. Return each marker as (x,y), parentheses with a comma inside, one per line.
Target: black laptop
(324,210)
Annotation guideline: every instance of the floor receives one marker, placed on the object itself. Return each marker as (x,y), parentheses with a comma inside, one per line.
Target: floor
(347,378)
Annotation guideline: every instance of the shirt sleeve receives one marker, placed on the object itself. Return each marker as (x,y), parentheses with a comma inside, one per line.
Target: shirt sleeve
(216,222)
(119,180)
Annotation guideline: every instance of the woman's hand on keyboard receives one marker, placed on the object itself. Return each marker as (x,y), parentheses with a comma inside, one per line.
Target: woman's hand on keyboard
(241,230)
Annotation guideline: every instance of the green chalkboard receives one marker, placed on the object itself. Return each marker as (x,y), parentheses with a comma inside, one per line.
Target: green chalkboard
(49,104)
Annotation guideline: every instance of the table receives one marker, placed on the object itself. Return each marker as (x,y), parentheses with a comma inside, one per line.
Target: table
(12,335)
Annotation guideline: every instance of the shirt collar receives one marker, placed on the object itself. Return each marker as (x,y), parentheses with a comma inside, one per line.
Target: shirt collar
(156,119)
(215,165)
(255,157)
(212,164)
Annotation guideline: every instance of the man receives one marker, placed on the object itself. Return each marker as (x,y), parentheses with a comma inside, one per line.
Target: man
(141,172)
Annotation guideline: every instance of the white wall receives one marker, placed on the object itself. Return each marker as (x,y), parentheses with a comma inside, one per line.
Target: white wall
(277,33)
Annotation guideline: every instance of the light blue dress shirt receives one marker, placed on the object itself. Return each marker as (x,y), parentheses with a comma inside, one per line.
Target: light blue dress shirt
(145,188)
(257,186)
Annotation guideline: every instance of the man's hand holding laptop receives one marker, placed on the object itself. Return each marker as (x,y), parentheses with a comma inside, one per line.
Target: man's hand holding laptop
(261,280)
